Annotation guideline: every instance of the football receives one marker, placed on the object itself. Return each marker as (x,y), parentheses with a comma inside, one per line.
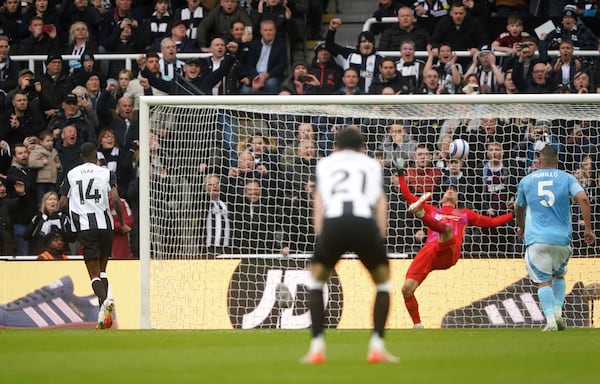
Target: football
(459,149)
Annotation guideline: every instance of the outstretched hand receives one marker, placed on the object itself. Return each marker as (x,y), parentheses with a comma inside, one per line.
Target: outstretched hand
(399,164)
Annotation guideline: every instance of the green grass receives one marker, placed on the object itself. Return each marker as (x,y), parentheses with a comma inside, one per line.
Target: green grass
(271,356)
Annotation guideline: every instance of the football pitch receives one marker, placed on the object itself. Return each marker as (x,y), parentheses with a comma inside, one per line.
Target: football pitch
(271,356)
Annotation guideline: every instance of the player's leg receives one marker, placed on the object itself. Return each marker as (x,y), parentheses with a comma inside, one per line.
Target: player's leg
(106,240)
(319,276)
(377,351)
(415,275)
(559,285)
(92,256)
(538,262)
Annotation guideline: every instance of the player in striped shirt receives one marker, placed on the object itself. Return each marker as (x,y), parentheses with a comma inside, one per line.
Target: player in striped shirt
(446,227)
(86,191)
(350,215)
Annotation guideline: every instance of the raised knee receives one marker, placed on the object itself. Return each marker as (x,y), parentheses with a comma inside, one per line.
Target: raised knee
(407,291)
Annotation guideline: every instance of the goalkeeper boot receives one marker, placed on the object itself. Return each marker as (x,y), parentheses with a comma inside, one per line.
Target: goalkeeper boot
(381,356)
(105,315)
(416,208)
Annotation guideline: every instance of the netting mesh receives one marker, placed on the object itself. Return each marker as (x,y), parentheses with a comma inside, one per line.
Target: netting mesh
(234,182)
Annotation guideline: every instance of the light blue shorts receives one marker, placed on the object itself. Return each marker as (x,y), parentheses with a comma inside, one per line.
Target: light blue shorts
(544,261)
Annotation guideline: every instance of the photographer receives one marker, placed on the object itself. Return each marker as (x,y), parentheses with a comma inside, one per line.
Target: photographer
(27,83)
(41,41)
(301,82)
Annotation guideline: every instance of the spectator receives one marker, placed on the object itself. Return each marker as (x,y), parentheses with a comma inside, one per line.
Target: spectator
(31,86)
(72,11)
(578,146)
(388,77)
(53,249)
(586,175)
(71,113)
(581,83)
(117,159)
(219,20)
(267,61)
(48,220)
(449,71)
(406,29)
(20,173)
(120,246)
(397,143)
(192,15)
(505,8)
(537,81)
(8,68)
(464,32)
(54,86)
(431,83)
(141,86)
(500,181)
(386,8)
(11,19)
(297,217)
(238,40)
(509,85)
(430,12)
(489,75)
(157,26)
(125,76)
(8,207)
(301,82)
(124,39)
(232,78)
(48,14)
(88,67)
(46,161)
(409,68)
(169,63)
(39,42)
(183,44)
(278,11)
(326,70)
(121,17)
(68,150)
(363,58)
(470,85)
(19,121)
(506,42)
(572,29)
(216,221)
(462,177)
(350,81)
(256,222)
(422,175)
(122,123)
(565,66)
(79,44)
(526,50)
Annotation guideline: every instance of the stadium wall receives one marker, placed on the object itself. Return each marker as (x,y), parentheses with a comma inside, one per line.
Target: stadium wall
(207,290)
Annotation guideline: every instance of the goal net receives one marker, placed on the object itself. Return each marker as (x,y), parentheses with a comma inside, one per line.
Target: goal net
(226,220)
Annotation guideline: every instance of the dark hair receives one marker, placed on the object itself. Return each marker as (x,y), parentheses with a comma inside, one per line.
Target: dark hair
(89,151)
(349,138)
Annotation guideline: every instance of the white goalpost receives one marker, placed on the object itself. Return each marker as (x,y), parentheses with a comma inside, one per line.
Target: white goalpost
(259,153)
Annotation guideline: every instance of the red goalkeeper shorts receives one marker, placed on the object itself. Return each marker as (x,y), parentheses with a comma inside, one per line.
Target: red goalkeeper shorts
(433,256)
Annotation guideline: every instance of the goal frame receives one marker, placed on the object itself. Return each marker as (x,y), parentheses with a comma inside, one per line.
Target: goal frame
(146,102)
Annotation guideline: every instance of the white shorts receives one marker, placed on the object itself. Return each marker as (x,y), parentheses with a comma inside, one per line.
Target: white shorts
(544,261)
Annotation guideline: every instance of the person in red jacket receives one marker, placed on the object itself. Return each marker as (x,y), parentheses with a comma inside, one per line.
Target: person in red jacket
(120,247)
(446,226)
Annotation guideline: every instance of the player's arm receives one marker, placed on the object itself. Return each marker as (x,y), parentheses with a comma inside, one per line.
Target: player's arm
(486,221)
(406,193)
(64,202)
(520,218)
(381,215)
(317,213)
(584,203)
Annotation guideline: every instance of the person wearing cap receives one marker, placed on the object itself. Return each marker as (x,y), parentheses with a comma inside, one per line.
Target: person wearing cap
(301,82)
(363,58)
(55,86)
(267,61)
(464,32)
(71,113)
(88,67)
(490,76)
(219,20)
(39,42)
(406,29)
(30,85)
(327,71)
(571,28)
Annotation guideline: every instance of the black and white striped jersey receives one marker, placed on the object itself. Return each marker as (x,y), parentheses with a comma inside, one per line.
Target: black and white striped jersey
(88,186)
(350,183)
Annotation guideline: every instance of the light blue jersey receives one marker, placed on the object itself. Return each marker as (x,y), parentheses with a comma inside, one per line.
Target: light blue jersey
(547,195)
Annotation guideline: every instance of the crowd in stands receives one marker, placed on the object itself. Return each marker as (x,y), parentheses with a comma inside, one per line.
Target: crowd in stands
(48,110)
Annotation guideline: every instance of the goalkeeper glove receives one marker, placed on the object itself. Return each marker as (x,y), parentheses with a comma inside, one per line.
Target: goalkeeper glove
(398,164)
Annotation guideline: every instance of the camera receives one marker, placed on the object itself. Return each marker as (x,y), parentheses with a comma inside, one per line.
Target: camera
(475,88)
(522,45)
(303,79)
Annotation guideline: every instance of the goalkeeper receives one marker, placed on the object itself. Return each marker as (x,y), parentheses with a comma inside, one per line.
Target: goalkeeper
(446,227)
